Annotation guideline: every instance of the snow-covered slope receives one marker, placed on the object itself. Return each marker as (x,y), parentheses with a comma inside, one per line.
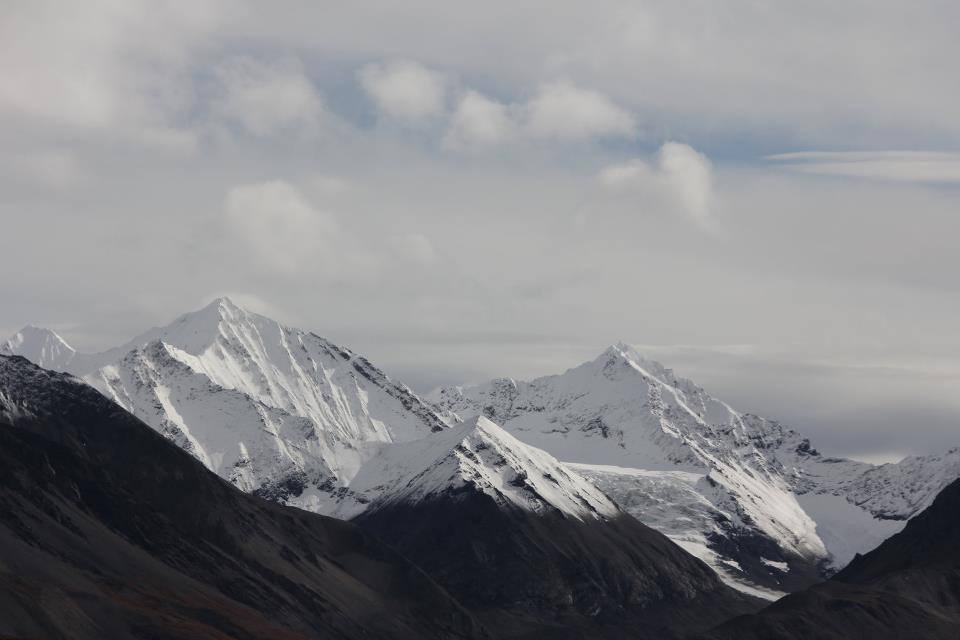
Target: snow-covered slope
(509,530)
(42,347)
(478,456)
(724,484)
(900,491)
(273,409)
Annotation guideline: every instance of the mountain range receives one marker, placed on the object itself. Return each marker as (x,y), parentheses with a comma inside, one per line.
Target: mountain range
(108,529)
(287,415)
(750,497)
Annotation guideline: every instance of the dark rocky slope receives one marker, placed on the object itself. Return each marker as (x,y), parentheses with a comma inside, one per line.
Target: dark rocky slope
(550,575)
(908,587)
(107,530)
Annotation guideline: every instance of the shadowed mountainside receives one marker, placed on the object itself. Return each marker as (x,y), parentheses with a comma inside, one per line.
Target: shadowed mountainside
(908,587)
(107,530)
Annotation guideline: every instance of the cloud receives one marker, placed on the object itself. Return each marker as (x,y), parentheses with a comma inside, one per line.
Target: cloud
(896,166)
(413,248)
(689,175)
(273,228)
(558,111)
(267,98)
(478,122)
(100,88)
(277,228)
(330,186)
(53,168)
(563,111)
(404,90)
(681,176)
(119,69)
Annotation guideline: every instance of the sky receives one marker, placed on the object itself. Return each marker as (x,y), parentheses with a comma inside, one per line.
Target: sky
(763,195)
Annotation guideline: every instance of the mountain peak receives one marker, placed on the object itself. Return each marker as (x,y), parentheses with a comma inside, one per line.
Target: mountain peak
(631,354)
(41,346)
(224,306)
(196,331)
(33,332)
(635,360)
(223,301)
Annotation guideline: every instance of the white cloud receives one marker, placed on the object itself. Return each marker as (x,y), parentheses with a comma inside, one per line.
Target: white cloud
(269,98)
(478,122)
(117,68)
(405,90)
(278,228)
(558,111)
(897,166)
(681,176)
(563,111)
(689,175)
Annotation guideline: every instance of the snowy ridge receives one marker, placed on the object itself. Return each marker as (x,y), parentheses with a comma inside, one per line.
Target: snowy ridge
(42,347)
(238,437)
(626,411)
(900,491)
(275,410)
(701,472)
(479,456)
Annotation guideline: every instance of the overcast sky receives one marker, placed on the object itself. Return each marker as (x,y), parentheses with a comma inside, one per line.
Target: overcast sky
(763,195)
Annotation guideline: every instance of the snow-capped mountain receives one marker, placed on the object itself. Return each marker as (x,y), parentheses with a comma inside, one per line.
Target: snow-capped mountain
(275,410)
(753,499)
(532,546)
(521,546)
(293,417)
(481,456)
(40,346)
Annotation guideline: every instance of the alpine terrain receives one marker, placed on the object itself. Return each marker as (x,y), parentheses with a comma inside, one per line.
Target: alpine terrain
(108,530)
(276,411)
(908,587)
(531,547)
(287,415)
(753,499)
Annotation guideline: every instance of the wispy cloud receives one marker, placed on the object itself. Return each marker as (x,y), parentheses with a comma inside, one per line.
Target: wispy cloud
(898,166)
